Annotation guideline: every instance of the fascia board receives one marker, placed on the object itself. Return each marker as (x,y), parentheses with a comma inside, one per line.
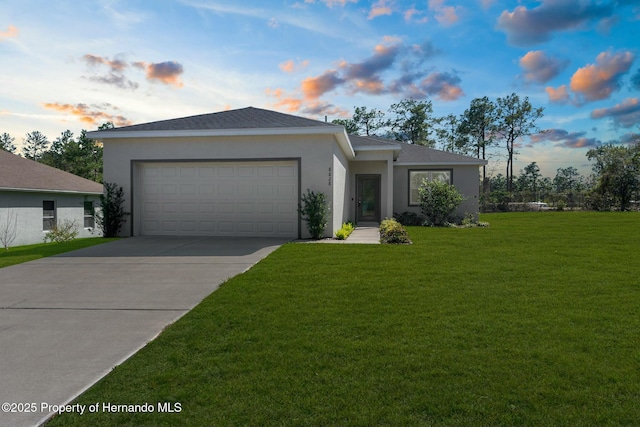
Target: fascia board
(478,163)
(212,132)
(47,190)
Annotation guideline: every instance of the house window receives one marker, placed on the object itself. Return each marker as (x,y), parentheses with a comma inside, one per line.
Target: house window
(416,177)
(48,214)
(89,219)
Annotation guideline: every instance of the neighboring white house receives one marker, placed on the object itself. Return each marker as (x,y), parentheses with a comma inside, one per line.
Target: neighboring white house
(37,197)
(243,173)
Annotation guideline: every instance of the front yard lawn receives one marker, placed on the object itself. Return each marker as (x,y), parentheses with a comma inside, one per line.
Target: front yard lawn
(20,254)
(532,322)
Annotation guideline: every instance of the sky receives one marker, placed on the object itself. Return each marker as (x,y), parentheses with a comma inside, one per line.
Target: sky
(68,64)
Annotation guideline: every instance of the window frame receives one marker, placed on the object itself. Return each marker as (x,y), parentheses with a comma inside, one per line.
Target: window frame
(89,214)
(430,173)
(49,216)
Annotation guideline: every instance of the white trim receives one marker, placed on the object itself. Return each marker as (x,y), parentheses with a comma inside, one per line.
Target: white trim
(43,190)
(478,163)
(390,147)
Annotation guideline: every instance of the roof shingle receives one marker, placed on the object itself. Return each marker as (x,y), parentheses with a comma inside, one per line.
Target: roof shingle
(18,173)
(244,118)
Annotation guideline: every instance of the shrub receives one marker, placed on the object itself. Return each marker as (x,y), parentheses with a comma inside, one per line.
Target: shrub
(345,231)
(439,201)
(314,211)
(65,231)
(391,231)
(409,218)
(111,216)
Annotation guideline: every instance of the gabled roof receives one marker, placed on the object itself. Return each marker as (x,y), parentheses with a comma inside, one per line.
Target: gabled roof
(410,154)
(243,118)
(20,174)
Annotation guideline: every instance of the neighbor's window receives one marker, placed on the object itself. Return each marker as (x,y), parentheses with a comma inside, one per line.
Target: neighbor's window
(89,219)
(416,177)
(48,214)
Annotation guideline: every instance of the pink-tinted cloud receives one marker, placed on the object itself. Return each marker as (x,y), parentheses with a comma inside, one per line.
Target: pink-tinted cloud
(380,8)
(167,72)
(564,138)
(625,114)
(115,64)
(315,87)
(540,68)
(598,81)
(331,3)
(290,66)
(445,86)
(89,114)
(445,15)
(559,95)
(11,33)
(525,27)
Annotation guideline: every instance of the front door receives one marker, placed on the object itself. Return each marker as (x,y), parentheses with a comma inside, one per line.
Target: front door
(368,198)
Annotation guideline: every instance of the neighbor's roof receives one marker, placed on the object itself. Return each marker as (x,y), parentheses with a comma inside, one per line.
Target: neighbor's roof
(244,118)
(20,174)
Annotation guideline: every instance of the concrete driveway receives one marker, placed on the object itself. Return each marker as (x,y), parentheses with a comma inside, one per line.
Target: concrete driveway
(67,320)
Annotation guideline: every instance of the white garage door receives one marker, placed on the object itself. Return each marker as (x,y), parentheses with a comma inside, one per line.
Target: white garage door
(257,199)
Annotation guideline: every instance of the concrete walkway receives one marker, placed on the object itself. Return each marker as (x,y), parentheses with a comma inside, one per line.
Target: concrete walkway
(67,320)
(366,235)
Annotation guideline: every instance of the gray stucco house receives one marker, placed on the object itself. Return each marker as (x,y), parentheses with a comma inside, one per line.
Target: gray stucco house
(40,196)
(243,172)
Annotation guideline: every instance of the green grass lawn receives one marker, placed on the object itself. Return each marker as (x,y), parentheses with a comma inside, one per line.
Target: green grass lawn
(20,254)
(534,321)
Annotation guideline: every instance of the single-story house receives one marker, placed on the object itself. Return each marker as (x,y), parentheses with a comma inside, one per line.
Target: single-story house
(36,197)
(243,173)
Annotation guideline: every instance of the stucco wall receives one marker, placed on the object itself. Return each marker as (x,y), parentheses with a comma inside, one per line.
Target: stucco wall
(373,163)
(316,166)
(465,178)
(27,206)
(340,191)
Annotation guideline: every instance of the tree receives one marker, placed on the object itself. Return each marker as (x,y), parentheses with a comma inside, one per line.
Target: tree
(6,143)
(35,144)
(81,156)
(413,122)
(110,216)
(363,122)
(8,229)
(449,133)
(57,156)
(515,118)
(618,174)
(532,175)
(478,122)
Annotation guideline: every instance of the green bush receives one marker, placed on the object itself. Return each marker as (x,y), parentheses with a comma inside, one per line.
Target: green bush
(439,201)
(314,211)
(391,231)
(409,218)
(65,231)
(345,231)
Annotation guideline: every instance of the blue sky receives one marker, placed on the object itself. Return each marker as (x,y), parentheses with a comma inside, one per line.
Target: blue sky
(76,64)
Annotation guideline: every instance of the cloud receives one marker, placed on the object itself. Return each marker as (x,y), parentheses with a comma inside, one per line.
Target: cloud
(540,68)
(380,8)
(444,86)
(625,114)
(11,33)
(164,72)
(167,72)
(564,138)
(445,15)
(273,23)
(525,27)
(290,66)
(559,95)
(635,80)
(315,87)
(294,104)
(598,81)
(90,114)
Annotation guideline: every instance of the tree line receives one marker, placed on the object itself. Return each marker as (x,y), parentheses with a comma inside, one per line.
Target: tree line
(614,184)
(81,156)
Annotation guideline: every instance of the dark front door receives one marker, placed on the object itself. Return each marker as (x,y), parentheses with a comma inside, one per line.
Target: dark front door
(368,198)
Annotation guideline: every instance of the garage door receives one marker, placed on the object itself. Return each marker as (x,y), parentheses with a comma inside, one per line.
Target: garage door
(256,199)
